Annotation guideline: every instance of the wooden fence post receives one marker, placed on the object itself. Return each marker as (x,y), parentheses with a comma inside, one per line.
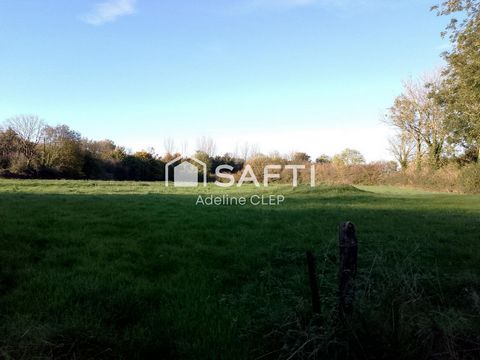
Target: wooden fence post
(312,276)
(348,266)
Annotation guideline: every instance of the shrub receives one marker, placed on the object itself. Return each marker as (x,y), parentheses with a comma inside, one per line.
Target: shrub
(19,165)
(470,179)
(259,162)
(443,179)
(370,174)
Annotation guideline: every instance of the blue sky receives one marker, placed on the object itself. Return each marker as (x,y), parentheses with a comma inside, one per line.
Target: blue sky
(312,75)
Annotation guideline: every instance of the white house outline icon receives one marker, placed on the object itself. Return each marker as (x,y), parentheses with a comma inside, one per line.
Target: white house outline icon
(184,164)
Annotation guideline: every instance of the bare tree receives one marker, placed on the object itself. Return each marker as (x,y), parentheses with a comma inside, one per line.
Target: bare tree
(184,148)
(151,150)
(248,151)
(402,147)
(236,152)
(254,150)
(245,151)
(29,129)
(416,113)
(206,145)
(169,145)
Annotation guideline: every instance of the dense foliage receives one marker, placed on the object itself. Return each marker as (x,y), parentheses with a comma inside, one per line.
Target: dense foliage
(438,116)
(31,149)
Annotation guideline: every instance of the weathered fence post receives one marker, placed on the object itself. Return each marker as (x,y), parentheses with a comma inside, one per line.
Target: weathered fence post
(312,276)
(348,266)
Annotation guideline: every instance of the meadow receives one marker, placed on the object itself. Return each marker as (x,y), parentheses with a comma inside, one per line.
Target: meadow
(136,270)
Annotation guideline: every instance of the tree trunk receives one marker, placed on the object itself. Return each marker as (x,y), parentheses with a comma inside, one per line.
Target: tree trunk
(434,152)
(478,154)
(418,158)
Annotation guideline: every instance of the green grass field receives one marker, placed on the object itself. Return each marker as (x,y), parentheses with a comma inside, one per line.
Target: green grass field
(94,270)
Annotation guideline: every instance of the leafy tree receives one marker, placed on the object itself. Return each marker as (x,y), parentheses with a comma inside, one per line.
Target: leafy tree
(227,159)
(105,150)
(103,160)
(169,157)
(349,157)
(468,9)
(205,158)
(300,157)
(145,155)
(143,166)
(460,92)
(9,147)
(323,159)
(62,151)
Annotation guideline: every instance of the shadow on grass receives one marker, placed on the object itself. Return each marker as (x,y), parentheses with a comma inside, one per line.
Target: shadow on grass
(142,276)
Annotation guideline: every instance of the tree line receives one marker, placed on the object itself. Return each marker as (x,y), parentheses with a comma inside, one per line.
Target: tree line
(30,148)
(437,117)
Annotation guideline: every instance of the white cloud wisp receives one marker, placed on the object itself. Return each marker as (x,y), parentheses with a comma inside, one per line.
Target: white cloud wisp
(109,11)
